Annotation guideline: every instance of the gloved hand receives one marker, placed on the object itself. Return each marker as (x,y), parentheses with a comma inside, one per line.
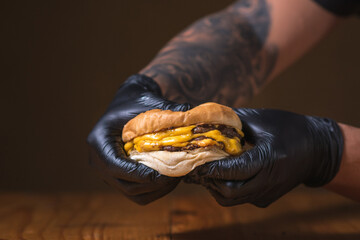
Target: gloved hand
(137,181)
(288,149)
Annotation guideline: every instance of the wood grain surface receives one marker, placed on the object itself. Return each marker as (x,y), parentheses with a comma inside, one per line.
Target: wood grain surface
(187,213)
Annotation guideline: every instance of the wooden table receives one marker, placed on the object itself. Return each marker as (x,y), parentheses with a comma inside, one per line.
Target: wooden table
(186,213)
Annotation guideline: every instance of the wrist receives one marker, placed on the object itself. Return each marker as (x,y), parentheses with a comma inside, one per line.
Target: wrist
(347,179)
(328,145)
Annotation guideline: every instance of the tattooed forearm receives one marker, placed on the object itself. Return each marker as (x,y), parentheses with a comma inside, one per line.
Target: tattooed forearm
(219,58)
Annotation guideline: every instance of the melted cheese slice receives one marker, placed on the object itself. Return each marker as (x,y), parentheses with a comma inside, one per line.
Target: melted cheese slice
(181,137)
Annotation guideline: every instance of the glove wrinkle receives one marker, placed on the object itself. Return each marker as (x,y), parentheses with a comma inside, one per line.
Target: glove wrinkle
(228,202)
(328,133)
(144,83)
(154,102)
(147,198)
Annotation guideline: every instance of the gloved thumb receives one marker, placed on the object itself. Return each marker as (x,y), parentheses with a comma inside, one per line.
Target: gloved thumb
(153,101)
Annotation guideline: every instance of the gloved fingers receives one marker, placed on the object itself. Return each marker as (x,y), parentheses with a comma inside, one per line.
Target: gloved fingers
(228,193)
(225,193)
(131,89)
(259,190)
(249,134)
(107,151)
(142,197)
(226,188)
(116,119)
(192,178)
(273,193)
(108,161)
(146,198)
(262,203)
(180,107)
(107,154)
(241,167)
(134,188)
(227,202)
(245,113)
(136,84)
(153,101)
(253,125)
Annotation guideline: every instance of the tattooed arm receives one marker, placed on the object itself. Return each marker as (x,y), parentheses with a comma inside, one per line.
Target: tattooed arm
(228,57)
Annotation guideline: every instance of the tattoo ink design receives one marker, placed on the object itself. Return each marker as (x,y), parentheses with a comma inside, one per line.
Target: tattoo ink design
(219,58)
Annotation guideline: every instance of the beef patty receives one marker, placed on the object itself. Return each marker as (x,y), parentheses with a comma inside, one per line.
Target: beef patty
(201,128)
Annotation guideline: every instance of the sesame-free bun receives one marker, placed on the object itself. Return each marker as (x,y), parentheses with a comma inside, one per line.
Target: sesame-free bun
(157,119)
(176,164)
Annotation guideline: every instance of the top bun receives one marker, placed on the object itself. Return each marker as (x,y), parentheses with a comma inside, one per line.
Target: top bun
(157,119)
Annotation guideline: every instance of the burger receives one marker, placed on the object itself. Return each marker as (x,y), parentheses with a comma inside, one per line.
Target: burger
(174,143)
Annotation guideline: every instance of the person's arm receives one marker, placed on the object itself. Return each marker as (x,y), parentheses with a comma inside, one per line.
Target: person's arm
(347,180)
(229,56)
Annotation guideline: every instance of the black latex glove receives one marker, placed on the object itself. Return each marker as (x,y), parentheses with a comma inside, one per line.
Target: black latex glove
(137,181)
(289,149)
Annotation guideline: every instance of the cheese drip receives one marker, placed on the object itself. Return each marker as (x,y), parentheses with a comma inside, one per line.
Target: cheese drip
(181,137)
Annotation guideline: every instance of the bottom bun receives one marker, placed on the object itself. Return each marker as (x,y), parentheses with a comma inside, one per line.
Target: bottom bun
(176,164)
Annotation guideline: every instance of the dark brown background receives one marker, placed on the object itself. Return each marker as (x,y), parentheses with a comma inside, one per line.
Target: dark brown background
(63,61)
